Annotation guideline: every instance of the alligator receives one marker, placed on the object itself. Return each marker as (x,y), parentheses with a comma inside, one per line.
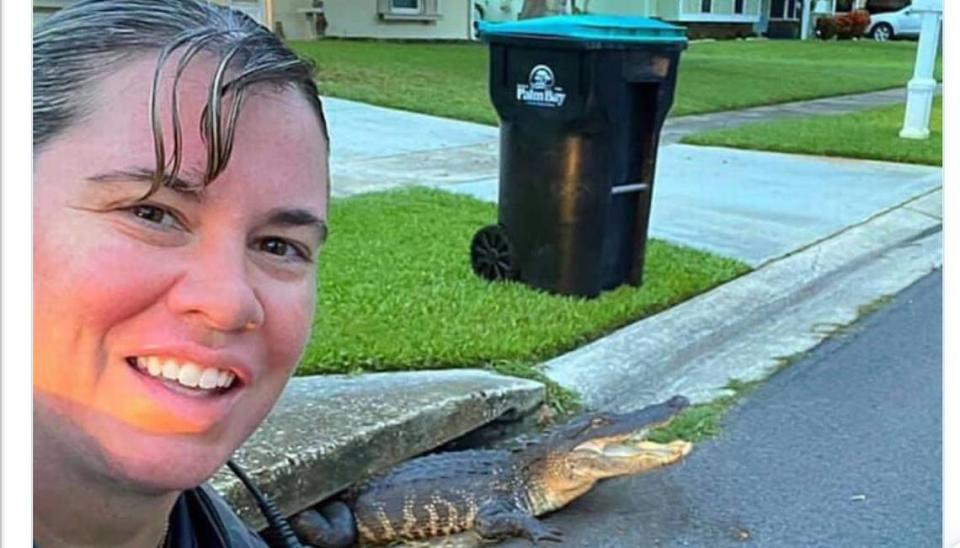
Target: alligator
(497,493)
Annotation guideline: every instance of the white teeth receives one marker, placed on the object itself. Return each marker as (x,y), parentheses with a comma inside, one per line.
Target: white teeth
(209,378)
(153,366)
(171,370)
(189,375)
(186,373)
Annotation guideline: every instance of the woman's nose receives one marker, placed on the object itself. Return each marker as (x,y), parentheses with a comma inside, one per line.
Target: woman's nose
(217,293)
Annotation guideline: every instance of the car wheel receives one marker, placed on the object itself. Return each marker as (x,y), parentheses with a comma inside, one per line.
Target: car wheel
(882,32)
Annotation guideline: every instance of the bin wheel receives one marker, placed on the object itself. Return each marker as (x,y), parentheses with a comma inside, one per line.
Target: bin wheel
(492,255)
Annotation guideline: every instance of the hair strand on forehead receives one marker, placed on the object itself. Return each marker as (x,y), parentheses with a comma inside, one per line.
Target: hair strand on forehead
(163,174)
(79,46)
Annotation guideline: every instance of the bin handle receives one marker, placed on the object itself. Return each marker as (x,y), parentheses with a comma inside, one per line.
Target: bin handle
(623,189)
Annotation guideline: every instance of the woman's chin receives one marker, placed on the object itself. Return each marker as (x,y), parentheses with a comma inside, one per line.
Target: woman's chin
(164,465)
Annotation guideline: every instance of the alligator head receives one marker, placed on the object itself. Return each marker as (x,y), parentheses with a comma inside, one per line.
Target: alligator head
(602,445)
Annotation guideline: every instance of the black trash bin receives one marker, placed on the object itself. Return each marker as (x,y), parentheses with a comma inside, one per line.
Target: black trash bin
(581,101)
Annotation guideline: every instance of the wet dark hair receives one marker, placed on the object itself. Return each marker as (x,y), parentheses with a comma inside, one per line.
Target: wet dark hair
(87,41)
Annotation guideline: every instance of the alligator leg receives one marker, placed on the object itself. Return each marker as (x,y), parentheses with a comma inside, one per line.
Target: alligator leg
(332,526)
(498,520)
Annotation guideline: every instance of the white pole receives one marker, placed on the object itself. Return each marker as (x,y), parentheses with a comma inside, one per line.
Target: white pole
(920,89)
(805,19)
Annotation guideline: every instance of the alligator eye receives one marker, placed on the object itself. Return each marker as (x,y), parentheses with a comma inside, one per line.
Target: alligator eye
(598,421)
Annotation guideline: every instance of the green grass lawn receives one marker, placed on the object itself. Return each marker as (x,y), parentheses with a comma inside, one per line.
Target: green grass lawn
(871,134)
(450,79)
(397,292)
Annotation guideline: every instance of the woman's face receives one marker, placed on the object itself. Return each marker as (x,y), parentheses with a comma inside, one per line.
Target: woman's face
(165,329)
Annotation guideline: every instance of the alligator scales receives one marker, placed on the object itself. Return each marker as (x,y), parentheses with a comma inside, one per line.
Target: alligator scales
(498,493)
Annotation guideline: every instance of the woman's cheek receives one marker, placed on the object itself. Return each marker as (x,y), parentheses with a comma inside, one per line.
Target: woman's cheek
(289,334)
(119,281)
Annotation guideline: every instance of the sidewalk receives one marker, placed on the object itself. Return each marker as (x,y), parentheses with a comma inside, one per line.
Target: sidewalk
(676,129)
(826,237)
(704,197)
(414,148)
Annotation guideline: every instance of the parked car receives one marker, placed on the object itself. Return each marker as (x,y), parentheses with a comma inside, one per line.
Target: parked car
(903,23)
(883,6)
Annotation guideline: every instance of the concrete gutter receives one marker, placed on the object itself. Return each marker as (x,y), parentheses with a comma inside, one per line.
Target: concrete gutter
(744,329)
(330,431)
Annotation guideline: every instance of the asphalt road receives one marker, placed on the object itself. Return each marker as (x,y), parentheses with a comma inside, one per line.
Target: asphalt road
(841,449)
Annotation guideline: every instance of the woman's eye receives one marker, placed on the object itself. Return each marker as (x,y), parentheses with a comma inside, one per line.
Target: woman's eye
(283,248)
(153,214)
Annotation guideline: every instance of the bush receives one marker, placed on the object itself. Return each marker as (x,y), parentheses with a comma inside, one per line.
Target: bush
(853,24)
(843,26)
(826,28)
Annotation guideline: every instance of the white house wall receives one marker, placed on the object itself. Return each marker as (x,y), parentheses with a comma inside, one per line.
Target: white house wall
(360,19)
(295,19)
(721,11)
(642,8)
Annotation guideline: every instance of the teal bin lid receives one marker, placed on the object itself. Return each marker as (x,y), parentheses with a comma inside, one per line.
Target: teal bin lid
(587,28)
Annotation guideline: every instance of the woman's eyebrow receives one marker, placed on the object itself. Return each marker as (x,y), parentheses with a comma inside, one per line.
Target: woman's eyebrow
(182,186)
(282,217)
(298,217)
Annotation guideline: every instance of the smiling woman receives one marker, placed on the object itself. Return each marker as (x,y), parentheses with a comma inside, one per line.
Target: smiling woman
(180,203)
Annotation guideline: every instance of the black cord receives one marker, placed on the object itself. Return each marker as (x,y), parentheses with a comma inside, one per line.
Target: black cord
(279,524)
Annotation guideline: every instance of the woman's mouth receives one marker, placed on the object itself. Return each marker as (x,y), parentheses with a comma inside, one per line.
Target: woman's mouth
(182,374)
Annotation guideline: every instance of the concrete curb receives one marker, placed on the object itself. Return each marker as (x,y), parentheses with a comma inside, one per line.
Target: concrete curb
(745,328)
(329,431)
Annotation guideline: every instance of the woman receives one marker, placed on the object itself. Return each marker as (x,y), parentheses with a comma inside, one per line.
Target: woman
(180,201)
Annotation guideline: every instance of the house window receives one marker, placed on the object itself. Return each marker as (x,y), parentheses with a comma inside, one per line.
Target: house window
(738,6)
(796,9)
(406,6)
(785,9)
(409,10)
(776,9)
(706,6)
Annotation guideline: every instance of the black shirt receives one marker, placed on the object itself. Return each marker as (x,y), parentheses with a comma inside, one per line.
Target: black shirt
(202,519)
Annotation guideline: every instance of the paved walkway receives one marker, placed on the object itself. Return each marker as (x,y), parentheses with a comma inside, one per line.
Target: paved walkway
(754,206)
(375,148)
(676,129)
